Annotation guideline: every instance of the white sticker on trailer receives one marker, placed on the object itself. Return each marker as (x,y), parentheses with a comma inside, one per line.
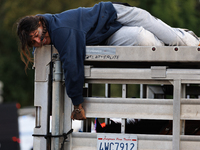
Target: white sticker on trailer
(107,141)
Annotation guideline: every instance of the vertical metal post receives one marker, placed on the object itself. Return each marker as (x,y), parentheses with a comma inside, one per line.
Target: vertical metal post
(42,97)
(149,93)
(182,122)
(141,90)
(67,120)
(107,90)
(124,91)
(123,119)
(86,124)
(56,105)
(49,104)
(176,114)
(107,94)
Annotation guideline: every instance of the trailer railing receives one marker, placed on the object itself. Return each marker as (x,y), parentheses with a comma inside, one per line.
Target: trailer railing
(149,67)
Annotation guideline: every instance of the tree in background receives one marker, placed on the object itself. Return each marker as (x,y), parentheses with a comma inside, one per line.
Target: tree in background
(176,13)
(18,86)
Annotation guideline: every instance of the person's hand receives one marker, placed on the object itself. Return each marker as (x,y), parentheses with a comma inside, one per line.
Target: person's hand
(78,113)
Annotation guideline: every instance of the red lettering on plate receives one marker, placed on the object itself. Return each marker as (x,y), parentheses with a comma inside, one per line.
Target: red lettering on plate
(127,139)
(99,138)
(118,139)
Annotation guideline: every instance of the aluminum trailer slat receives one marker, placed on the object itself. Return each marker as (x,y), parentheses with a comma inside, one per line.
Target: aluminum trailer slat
(128,108)
(143,53)
(142,74)
(137,108)
(136,53)
(83,141)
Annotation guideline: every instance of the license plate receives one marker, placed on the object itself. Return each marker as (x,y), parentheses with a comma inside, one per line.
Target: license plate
(107,141)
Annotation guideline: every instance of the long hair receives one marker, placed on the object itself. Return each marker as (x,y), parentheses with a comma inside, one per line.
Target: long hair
(24,27)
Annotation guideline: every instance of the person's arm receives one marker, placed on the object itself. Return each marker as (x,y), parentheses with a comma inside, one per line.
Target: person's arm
(71,47)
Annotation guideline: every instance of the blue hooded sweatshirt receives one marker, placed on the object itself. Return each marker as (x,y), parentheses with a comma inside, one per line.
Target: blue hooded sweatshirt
(70,32)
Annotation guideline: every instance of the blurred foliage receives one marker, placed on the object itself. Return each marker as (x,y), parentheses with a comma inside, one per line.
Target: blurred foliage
(19,87)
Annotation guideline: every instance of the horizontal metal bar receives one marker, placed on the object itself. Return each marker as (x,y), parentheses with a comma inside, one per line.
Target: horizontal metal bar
(84,135)
(142,136)
(190,81)
(142,74)
(190,138)
(190,101)
(143,53)
(128,81)
(88,141)
(129,101)
(138,109)
(139,101)
(134,53)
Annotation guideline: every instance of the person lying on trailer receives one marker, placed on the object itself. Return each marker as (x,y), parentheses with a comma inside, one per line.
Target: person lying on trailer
(105,23)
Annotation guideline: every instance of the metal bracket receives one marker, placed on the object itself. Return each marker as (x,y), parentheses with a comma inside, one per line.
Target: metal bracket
(87,71)
(158,71)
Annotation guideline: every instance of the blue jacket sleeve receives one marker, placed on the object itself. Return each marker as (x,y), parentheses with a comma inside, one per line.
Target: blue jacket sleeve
(71,46)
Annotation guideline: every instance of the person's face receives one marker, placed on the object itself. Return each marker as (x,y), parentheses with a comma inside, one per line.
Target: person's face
(38,39)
